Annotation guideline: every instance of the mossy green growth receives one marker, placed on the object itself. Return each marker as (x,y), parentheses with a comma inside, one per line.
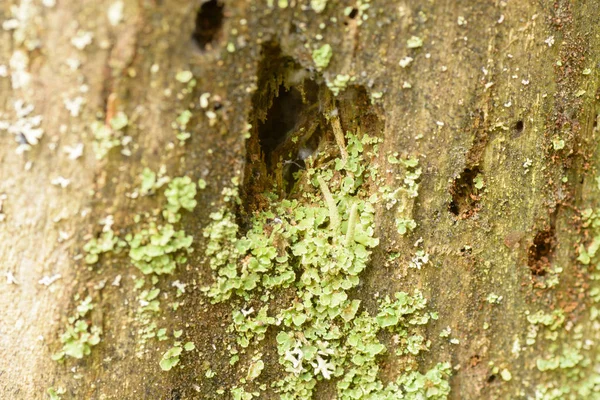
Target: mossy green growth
(250,328)
(402,198)
(109,135)
(106,242)
(322,55)
(552,320)
(239,393)
(170,358)
(180,193)
(338,84)
(55,394)
(152,181)
(318,5)
(158,249)
(314,247)
(79,337)
(569,362)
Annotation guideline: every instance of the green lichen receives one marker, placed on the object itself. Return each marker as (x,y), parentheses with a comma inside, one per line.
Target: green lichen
(238,393)
(180,193)
(170,358)
(567,363)
(152,181)
(55,394)
(158,249)
(106,242)
(402,197)
(338,84)
(478,182)
(155,249)
(318,5)
(249,328)
(108,136)
(184,76)
(316,247)
(322,55)
(255,368)
(181,126)
(558,143)
(79,336)
(414,42)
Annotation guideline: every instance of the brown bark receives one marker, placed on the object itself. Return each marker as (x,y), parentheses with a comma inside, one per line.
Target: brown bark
(486,96)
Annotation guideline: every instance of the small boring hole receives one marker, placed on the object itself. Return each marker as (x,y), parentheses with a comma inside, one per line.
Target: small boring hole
(353,13)
(208,24)
(540,252)
(465,195)
(519,126)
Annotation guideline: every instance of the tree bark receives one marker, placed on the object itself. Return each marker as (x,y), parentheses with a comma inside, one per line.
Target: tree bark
(497,100)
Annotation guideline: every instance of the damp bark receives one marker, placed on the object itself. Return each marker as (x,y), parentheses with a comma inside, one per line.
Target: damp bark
(499,90)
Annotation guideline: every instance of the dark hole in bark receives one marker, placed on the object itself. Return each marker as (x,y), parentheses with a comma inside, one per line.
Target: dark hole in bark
(464,194)
(476,359)
(209,21)
(281,119)
(491,378)
(466,250)
(353,13)
(540,252)
(519,126)
(283,108)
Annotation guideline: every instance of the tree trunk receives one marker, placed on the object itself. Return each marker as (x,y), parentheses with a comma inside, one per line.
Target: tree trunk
(448,148)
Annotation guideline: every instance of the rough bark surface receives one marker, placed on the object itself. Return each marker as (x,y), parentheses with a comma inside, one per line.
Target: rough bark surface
(499,104)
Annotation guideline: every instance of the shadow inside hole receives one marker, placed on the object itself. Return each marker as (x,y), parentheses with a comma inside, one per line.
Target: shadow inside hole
(540,252)
(519,126)
(464,194)
(209,22)
(281,119)
(518,129)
